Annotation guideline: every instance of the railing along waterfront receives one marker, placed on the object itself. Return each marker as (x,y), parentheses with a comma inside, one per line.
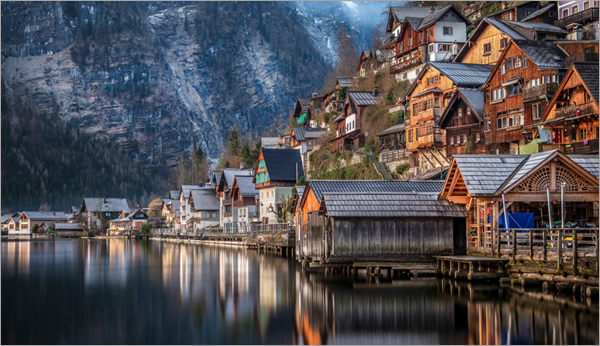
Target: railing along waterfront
(540,243)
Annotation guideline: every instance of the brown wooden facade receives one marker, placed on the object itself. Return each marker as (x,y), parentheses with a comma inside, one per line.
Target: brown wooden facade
(572,116)
(516,94)
(239,200)
(464,128)
(348,133)
(485,45)
(517,12)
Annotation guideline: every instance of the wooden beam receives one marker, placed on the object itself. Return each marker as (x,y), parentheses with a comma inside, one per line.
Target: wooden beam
(541,197)
(553,175)
(459,199)
(454,181)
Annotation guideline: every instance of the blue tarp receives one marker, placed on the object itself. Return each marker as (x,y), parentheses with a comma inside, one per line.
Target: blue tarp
(517,220)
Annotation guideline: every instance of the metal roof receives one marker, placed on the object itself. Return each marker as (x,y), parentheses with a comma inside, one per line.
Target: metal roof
(106,205)
(375,186)
(304,104)
(465,75)
(247,188)
(396,205)
(67,226)
(300,191)
(434,90)
(538,13)
(174,194)
(498,24)
(402,12)
(390,130)
(233,172)
(269,141)
(282,164)
(587,162)
(431,19)
(538,27)
(413,21)
(589,74)
(185,189)
(46,215)
(545,55)
(474,97)
(346,82)
(303,133)
(364,98)
(205,199)
(528,165)
(484,174)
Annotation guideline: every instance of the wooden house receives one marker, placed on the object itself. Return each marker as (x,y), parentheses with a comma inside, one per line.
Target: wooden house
(379,223)
(348,134)
(245,197)
(349,83)
(479,182)
(128,223)
(205,209)
(537,31)
(463,122)
(517,12)
(276,173)
(330,102)
(99,209)
(302,112)
(578,50)
(427,98)
(392,144)
(436,37)
(577,13)
(164,210)
(517,91)
(305,139)
(547,14)
(28,219)
(370,61)
(228,212)
(571,119)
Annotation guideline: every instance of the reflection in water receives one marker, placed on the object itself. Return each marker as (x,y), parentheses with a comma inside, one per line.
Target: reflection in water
(119,291)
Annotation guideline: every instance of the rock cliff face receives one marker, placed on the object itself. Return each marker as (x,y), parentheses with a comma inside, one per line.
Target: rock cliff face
(160,78)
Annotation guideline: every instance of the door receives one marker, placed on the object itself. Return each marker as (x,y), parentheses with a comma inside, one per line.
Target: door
(556,135)
(459,235)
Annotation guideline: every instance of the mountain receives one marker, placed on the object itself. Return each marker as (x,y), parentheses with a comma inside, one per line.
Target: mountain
(159,78)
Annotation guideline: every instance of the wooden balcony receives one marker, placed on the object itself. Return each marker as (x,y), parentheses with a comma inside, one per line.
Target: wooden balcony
(576,111)
(580,57)
(228,214)
(582,148)
(589,15)
(428,114)
(392,155)
(436,139)
(533,93)
(238,203)
(227,202)
(406,65)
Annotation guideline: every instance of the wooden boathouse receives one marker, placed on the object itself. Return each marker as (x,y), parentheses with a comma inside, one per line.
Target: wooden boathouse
(386,221)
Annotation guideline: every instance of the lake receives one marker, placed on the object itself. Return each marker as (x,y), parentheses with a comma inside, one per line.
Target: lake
(153,292)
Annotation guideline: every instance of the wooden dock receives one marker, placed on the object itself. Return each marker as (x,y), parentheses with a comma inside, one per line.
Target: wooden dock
(471,267)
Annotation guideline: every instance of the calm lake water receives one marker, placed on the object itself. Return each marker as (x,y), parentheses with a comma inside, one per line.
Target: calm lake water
(151,292)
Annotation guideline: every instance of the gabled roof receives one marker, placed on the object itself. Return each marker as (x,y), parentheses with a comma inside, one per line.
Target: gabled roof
(267,141)
(472,97)
(346,82)
(230,173)
(390,130)
(587,162)
(6,217)
(479,30)
(538,27)
(246,186)
(185,189)
(399,13)
(510,8)
(304,104)
(464,75)
(319,187)
(364,98)
(437,15)
(538,12)
(205,199)
(407,204)
(529,164)
(484,174)
(588,71)
(174,194)
(45,215)
(300,191)
(93,205)
(283,163)
(304,133)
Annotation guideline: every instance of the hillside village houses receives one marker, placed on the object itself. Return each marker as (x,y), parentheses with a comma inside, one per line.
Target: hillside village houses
(101,210)
(228,212)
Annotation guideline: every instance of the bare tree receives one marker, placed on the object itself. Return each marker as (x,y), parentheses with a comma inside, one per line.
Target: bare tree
(346,52)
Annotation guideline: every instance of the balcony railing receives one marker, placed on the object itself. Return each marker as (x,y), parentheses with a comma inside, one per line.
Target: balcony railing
(576,110)
(588,15)
(580,57)
(391,156)
(431,113)
(230,214)
(227,201)
(405,65)
(589,146)
(436,139)
(539,90)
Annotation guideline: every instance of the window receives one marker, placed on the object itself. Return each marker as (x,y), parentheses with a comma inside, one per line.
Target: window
(535,111)
(574,9)
(503,43)
(451,140)
(565,13)
(498,94)
(421,36)
(477,137)
(410,41)
(444,47)
(468,111)
(553,14)
(586,5)
(431,32)
(431,48)
(460,112)
(514,90)
(457,140)
(524,62)
(583,133)
(488,125)
(400,47)
(503,69)
(410,135)
(447,30)
(512,63)
(432,80)
(486,96)
(487,48)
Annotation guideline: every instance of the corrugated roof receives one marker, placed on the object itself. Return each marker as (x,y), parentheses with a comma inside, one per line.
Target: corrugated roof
(67,227)
(46,215)
(433,90)
(110,205)
(364,98)
(587,162)
(346,82)
(538,27)
(205,199)
(393,129)
(545,55)
(464,75)
(484,174)
(538,13)
(368,204)
(304,133)
(282,164)
(589,74)
(269,141)
(232,172)
(376,186)
(431,19)
(246,186)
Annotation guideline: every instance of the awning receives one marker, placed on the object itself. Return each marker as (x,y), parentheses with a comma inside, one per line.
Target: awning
(531,148)
(302,119)
(512,81)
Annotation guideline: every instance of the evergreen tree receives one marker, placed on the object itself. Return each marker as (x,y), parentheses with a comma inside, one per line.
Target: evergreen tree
(246,155)
(234,141)
(223,163)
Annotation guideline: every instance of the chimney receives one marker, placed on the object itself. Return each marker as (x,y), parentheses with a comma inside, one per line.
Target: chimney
(431,10)
(504,6)
(375,91)
(315,95)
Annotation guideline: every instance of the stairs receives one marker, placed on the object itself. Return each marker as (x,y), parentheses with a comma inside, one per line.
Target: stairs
(381,168)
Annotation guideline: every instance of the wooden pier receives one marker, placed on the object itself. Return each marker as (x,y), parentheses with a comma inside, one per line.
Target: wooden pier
(471,267)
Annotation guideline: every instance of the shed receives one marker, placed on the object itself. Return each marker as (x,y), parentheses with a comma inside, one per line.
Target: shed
(405,226)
